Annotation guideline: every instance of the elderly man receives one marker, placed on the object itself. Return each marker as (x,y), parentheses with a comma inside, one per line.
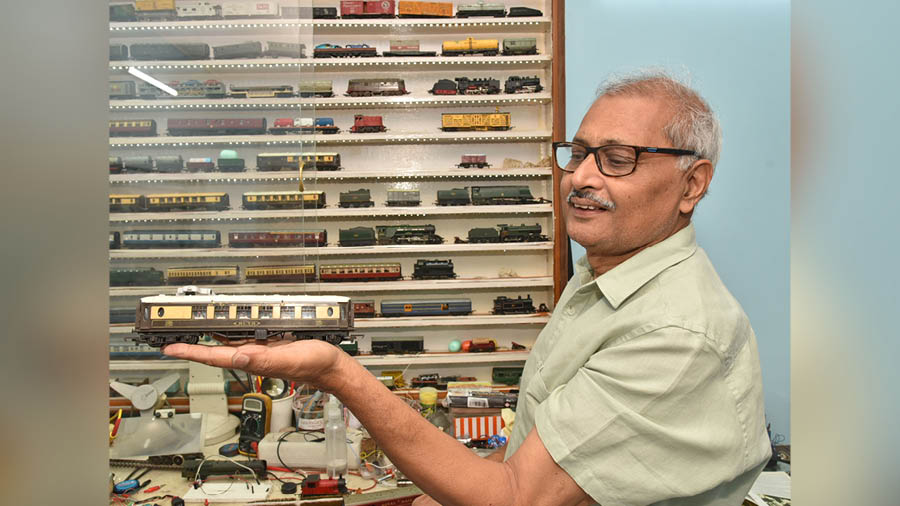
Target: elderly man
(644,388)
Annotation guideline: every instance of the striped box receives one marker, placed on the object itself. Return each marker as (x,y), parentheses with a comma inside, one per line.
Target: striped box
(477,426)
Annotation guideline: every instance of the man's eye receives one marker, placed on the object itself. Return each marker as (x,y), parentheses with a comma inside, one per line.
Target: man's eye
(623,162)
(578,155)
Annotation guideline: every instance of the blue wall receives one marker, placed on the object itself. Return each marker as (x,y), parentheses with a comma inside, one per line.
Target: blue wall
(737,55)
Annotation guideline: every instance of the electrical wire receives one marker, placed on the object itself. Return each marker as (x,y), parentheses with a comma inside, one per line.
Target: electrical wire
(197,474)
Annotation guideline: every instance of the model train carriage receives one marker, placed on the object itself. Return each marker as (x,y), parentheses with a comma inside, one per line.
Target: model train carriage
(519,46)
(277,239)
(517,84)
(356,236)
(406,9)
(521,233)
(499,195)
(171,239)
(202,275)
(356,198)
(274,91)
(123,202)
(480,9)
(367,124)
(440,307)
(391,345)
(454,197)
(122,90)
(506,305)
(407,234)
(170,51)
(225,126)
(336,51)
(115,240)
(286,49)
(376,86)
(470,45)
(315,89)
(251,49)
(401,198)
(185,318)
(351,9)
(433,269)
(294,161)
(281,273)
(136,277)
(132,128)
(187,201)
(474,121)
(284,200)
(360,272)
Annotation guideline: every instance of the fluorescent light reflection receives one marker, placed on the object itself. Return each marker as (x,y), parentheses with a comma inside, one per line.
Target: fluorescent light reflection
(155,82)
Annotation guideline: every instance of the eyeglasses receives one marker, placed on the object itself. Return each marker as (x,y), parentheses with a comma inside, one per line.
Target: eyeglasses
(613,160)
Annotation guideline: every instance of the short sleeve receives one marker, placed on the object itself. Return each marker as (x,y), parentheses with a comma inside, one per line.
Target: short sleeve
(645,420)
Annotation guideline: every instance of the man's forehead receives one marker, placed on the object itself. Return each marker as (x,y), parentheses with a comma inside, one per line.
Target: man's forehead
(625,120)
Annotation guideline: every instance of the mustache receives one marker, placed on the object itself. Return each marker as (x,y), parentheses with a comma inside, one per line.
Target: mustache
(605,204)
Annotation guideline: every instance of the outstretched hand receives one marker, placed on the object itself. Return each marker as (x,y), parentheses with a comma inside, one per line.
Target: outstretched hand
(307,361)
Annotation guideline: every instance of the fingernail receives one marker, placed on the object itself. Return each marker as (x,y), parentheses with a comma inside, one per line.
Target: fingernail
(241,360)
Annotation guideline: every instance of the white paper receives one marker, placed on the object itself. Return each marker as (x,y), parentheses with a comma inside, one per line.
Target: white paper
(776,484)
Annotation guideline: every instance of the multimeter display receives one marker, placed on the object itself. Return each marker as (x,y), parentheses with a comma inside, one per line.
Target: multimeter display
(256,410)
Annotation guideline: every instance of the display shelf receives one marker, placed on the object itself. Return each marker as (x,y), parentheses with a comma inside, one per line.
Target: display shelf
(327,251)
(338,102)
(498,357)
(339,139)
(403,285)
(292,65)
(329,176)
(322,26)
(327,213)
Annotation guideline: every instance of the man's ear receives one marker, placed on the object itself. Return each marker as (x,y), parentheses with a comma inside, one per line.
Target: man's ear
(697,179)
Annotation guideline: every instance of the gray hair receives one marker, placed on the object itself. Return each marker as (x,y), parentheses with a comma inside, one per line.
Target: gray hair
(694,126)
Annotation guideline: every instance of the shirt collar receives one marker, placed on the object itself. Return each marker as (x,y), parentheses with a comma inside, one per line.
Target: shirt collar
(621,281)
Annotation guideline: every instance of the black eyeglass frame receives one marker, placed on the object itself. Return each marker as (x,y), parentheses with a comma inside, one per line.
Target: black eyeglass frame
(637,153)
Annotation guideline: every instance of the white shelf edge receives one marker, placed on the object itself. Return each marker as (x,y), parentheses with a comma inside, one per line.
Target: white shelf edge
(349,25)
(340,139)
(403,285)
(290,65)
(244,104)
(328,176)
(327,213)
(327,251)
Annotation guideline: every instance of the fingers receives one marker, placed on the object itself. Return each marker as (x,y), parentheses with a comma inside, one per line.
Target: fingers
(218,356)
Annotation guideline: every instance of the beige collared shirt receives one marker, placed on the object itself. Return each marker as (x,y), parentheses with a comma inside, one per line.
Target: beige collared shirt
(645,385)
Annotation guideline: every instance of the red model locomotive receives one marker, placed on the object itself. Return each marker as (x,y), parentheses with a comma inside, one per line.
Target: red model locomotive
(366,124)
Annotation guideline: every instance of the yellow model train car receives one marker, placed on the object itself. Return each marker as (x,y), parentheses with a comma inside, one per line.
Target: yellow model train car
(470,45)
(199,275)
(407,9)
(452,122)
(187,201)
(285,273)
(284,200)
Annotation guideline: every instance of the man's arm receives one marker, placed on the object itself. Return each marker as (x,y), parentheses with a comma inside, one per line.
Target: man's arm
(437,463)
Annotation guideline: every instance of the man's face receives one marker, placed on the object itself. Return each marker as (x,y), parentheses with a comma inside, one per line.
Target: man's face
(646,201)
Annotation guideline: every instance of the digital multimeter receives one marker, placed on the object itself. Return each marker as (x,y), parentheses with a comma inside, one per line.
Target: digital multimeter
(256,414)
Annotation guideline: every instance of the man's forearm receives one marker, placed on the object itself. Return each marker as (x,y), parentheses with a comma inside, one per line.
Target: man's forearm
(424,453)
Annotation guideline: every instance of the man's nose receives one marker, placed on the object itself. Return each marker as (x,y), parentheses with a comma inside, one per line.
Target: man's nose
(587,174)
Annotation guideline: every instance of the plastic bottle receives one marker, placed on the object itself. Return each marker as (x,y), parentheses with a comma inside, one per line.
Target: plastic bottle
(335,439)
(431,411)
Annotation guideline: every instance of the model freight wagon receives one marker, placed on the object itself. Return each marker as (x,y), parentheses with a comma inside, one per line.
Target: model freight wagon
(475,121)
(166,319)
(401,198)
(407,9)
(481,8)
(351,9)
(519,46)
(470,45)
(407,48)
(321,88)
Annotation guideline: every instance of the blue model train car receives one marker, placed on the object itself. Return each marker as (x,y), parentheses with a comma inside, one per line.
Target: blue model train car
(171,239)
(437,307)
